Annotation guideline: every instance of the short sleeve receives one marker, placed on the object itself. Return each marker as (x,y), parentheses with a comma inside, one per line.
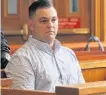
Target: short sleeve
(21,71)
(79,71)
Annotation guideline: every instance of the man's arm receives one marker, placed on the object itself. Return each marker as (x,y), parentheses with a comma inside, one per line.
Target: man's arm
(80,75)
(79,71)
(21,71)
(5,50)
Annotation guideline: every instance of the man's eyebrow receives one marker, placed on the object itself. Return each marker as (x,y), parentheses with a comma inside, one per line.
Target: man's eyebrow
(43,18)
(54,17)
(47,17)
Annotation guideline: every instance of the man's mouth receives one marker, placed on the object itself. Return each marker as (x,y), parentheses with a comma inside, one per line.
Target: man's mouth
(50,32)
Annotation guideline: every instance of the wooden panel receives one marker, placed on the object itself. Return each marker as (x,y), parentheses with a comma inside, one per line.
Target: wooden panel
(92,17)
(92,64)
(14,22)
(61,8)
(96,74)
(71,38)
(63,11)
(70,35)
(93,88)
(74,31)
(97,18)
(81,46)
(6,15)
(8,20)
(103,20)
(14,39)
(92,57)
(94,70)
(13,48)
(84,13)
(83,53)
(6,82)
(24,92)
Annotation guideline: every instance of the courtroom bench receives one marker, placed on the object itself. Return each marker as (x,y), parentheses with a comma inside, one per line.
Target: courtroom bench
(80,46)
(93,88)
(93,70)
(83,53)
(93,67)
(13,48)
(92,57)
(6,82)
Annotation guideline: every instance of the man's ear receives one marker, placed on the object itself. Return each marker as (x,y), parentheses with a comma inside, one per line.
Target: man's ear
(30,24)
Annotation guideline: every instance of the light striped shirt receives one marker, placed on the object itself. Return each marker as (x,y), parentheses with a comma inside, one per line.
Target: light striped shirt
(35,67)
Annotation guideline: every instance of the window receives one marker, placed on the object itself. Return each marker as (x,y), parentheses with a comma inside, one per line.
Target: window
(73,6)
(12,6)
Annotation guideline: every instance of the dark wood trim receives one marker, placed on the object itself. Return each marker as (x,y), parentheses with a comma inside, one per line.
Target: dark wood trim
(102,20)
(92,18)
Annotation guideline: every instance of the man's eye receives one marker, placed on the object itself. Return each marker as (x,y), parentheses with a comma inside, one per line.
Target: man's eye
(54,20)
(43,21)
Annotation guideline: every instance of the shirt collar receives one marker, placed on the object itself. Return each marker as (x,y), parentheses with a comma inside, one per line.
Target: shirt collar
(44,46)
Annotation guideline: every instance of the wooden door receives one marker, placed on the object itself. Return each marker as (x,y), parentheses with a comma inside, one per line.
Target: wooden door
(14,13)
(78,11)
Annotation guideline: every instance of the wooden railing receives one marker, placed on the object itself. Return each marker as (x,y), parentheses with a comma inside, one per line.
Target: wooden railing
(83,53)
(93,88)
(93,65)
(24,92)
(80,46)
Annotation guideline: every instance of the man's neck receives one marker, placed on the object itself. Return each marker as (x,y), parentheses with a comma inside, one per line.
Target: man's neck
(51,44)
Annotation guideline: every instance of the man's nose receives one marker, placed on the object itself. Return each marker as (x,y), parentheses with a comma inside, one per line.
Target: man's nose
(50,24)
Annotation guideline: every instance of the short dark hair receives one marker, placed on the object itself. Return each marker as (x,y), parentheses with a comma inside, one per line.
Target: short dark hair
(39,4)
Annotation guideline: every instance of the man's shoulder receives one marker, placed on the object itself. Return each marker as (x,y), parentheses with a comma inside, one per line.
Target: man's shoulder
(24,50)
(67,49)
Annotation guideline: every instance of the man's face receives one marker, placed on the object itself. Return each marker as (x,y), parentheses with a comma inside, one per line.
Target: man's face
(44,25)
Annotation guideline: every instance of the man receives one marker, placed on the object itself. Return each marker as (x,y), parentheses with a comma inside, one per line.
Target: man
(42,63)
(5,56)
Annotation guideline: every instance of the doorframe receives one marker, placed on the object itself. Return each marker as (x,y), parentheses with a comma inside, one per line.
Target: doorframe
(98,19)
